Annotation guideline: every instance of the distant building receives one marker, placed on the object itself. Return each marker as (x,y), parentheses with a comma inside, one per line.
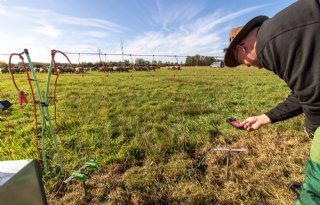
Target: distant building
(217,64)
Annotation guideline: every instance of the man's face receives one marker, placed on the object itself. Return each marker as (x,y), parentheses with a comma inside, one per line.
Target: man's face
(245,52)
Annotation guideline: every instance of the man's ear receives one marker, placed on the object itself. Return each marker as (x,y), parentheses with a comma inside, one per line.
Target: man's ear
(242,48)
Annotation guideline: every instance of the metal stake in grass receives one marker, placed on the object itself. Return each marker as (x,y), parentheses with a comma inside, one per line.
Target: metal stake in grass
(228,150)
(78,175)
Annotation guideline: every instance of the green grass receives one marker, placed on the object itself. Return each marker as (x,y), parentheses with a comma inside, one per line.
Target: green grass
(148,128)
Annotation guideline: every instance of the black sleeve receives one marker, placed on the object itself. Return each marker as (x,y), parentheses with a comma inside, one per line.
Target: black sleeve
(291,107)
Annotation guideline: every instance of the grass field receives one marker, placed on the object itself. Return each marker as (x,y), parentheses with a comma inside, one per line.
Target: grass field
(150,130)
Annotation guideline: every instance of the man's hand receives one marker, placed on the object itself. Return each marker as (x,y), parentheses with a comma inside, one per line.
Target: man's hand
(255,122)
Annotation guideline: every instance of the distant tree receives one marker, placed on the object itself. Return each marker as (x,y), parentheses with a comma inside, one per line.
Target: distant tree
(37,64)
(198,60)
(83,64)
(138,61)
(3,64)
(208,60)
(188,61)
(126,62)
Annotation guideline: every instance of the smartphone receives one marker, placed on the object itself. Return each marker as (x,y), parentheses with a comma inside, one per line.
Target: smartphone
(235,123)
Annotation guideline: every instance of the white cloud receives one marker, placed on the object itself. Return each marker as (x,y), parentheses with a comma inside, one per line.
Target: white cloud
(209,22)
(201,35)
(94,34)
(92,22)
(27,27)
(183,32)
(44,16)
(28,40)
(48,30)
(4,11)
(168,15)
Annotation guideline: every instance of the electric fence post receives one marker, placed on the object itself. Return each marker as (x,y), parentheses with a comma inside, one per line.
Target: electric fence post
(52,68)
(44,104)
(228,150)
(41,103)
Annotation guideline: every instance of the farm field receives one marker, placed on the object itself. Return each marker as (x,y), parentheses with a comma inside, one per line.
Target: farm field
(153,134)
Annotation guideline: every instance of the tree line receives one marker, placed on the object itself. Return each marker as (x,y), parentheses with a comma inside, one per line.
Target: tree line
(196,60)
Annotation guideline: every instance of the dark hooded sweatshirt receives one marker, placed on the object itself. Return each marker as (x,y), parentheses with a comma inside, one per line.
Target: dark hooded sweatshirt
(289,45)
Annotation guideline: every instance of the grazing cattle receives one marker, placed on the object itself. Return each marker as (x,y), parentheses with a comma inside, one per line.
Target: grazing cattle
(152,67)
(136,67)
(21,70)
(37,70)
(43,70)
(4,70)
(116,68)
(105,69)
(66,69)
(125,69)
(94,68)
(79,70)
(15,70)
(175,67)
(144,67)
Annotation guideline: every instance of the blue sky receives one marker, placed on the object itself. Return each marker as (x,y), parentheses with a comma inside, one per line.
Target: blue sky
(177,27)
